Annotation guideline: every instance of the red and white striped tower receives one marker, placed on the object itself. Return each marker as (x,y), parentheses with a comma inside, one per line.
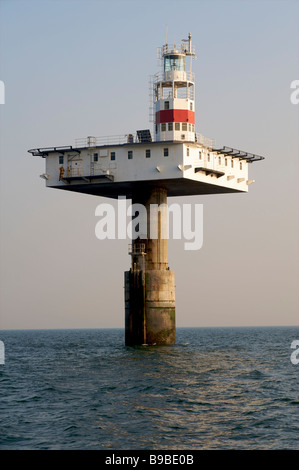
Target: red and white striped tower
(174,93)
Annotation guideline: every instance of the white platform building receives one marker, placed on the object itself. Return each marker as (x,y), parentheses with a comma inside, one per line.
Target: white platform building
(176,157)
(174,161)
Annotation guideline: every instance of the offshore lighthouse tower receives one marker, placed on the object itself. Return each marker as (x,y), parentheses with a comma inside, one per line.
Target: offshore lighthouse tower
(176,162)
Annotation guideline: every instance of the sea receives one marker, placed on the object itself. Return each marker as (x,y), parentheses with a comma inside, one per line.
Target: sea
(215,389)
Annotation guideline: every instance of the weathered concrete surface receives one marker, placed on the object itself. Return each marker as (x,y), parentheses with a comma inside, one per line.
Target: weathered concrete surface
(156,248)
(149,307)
(160,307)
(150,285)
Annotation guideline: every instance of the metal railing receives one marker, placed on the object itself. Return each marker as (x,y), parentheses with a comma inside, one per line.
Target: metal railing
(205,141)
(136,249)
(161,76)
(91,141)
(173,48)
(74,171)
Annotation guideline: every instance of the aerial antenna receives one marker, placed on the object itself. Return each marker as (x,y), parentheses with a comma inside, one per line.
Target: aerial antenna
(166,38)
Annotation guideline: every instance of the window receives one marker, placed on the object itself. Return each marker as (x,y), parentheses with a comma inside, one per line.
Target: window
(61,159)
(191,106)
(199,155)
(188,151)
(219,160)
(112,155)
(240,165)
(226,162)
(156,128)
(148,153)
(174,62)
(192,127)
(165,152)
(95,157)
(208,157)
(184,126)
(163,127)
(166,104)
(130,154)
(170,126)
(177,126)
(232,163)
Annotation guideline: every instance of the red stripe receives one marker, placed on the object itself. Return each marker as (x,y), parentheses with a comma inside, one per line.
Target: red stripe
(175,115)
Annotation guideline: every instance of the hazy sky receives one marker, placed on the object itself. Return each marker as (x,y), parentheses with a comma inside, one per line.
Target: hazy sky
(78,68)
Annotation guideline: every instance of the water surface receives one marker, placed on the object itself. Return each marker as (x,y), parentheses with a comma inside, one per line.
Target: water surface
(217,388)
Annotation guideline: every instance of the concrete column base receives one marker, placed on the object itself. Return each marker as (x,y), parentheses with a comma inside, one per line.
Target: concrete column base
(149,307)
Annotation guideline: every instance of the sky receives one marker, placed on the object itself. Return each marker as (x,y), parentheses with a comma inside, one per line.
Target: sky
(78,68)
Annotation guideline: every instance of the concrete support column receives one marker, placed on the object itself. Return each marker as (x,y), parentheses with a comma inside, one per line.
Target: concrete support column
(150,285)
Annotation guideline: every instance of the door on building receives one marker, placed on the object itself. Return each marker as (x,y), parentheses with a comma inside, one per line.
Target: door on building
(75,165)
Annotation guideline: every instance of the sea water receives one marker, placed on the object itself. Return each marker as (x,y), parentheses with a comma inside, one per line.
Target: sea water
(216,388)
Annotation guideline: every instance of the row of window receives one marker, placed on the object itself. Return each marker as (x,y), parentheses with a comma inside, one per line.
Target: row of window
(219,159)
(148,153)
(112,155)
(96,156)
(184,126)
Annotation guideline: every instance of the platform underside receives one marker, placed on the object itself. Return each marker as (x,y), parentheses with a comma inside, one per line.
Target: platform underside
(174,187)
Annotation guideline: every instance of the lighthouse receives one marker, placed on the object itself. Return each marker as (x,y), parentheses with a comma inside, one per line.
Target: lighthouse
(174,94)
(148,168)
